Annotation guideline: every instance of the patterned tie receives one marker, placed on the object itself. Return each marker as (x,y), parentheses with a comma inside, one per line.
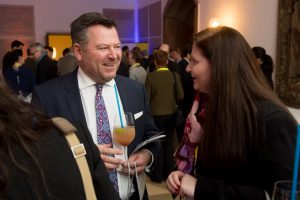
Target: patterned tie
(103,129)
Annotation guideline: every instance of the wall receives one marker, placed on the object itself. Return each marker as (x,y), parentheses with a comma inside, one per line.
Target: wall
(56,15)
(255,19)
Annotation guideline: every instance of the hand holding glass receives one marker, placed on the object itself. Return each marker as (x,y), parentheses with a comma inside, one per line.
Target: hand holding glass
(124,134)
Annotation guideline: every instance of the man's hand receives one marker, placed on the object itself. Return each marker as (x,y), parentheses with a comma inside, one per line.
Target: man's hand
(109,161)
(140,159)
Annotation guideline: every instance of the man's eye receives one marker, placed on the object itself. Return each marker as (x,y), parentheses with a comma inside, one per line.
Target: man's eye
(118,47)
(102,48)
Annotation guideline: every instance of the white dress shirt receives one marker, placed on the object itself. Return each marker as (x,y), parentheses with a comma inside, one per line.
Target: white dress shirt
(87,89)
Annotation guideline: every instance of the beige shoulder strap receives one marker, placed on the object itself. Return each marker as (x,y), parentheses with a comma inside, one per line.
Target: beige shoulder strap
(79,152)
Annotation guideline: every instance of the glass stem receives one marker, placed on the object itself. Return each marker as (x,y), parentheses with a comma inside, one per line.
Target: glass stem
(125,152)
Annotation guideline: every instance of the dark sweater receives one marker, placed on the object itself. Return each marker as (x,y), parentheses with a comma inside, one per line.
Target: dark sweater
(259,174)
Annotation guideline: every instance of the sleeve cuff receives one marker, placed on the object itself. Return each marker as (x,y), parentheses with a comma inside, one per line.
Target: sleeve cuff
(148,167)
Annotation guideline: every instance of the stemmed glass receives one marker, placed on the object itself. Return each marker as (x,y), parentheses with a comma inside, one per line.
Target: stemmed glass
(124,130)
(282,190)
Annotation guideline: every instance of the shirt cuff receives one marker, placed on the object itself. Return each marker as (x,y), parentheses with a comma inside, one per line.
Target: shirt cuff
(148,167)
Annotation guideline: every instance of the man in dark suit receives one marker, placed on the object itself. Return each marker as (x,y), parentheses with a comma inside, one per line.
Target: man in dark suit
(97,48)
(46,67)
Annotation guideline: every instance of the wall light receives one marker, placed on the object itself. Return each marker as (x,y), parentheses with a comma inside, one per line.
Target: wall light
(54,53)
(214,22)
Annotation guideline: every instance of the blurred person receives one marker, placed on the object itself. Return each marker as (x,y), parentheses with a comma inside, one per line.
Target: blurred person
(136,71)
(67,63)
(18,77)
(46,67)
(125,52)
(247,140)
(49,50)
(30,63)
(187,84)
(93,94)
(16,44)
(36,160)
(161,86)
(145,60)
(266,63)
(171,64)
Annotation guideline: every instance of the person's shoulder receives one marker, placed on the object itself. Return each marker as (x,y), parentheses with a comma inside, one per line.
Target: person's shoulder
(127,81)
(273,111)
(58,81)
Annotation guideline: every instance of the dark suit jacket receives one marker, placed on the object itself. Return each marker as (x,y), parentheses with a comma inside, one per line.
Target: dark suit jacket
(60,97)
(46,69)
(61,173)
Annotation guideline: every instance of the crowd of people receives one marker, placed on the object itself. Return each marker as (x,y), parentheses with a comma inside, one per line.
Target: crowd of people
(235,137)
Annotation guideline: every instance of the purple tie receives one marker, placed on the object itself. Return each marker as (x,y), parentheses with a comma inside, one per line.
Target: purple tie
(103,129)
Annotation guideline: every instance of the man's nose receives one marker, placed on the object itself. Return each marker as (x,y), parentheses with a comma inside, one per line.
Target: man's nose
(113,53)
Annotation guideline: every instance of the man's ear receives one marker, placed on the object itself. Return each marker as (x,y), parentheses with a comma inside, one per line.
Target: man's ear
(77,50)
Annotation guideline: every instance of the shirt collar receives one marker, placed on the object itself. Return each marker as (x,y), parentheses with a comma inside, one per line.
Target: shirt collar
(84,81)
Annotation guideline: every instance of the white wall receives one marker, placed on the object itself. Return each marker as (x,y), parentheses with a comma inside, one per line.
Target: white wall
(255,19)
(56,15)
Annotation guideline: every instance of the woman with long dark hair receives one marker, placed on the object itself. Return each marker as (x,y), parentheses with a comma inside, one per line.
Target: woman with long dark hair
(36,162)
(247,140)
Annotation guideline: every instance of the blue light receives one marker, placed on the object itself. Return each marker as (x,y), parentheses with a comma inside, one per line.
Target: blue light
(136,22)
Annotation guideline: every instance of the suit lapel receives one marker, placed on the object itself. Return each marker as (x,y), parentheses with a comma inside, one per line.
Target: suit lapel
(73,99)
(123,92)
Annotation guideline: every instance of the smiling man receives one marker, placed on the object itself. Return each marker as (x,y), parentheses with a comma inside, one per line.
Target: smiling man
(94,95)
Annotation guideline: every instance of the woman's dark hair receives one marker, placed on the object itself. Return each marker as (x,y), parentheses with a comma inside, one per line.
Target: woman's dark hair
(232,125)
(20,127)
(266,63)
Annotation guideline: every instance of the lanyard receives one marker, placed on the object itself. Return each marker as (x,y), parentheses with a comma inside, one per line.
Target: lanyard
(162,69)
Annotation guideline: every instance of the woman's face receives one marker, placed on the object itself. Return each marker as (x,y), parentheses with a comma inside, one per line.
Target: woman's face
(200,70)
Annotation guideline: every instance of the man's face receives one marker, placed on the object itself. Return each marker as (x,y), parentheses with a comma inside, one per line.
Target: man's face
(36,54)
(100,57)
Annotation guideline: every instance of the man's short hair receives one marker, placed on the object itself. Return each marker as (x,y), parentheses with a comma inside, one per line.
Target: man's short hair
(80,25)
(160,57)
(16,43)
(66,51)
(49,48)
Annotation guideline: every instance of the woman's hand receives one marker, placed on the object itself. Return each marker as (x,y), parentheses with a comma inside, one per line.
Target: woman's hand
(174,181)
(187,186)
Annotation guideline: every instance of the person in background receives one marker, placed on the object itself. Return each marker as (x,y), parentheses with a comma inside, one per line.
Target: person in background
(46,67)
(125,52)
(36,160)
(94,95)
(49,50)
(18,77)
(171,65)
(265,62)
(161,86)
(247,140)
(145,59)
(67,63)
(189,92)
(16,44)
(136,71)
(30,63)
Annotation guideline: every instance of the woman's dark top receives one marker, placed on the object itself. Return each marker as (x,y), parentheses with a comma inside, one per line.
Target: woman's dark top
(61,176)
(275,162)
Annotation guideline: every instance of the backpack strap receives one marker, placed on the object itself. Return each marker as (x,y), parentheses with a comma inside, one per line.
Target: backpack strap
(79,153)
